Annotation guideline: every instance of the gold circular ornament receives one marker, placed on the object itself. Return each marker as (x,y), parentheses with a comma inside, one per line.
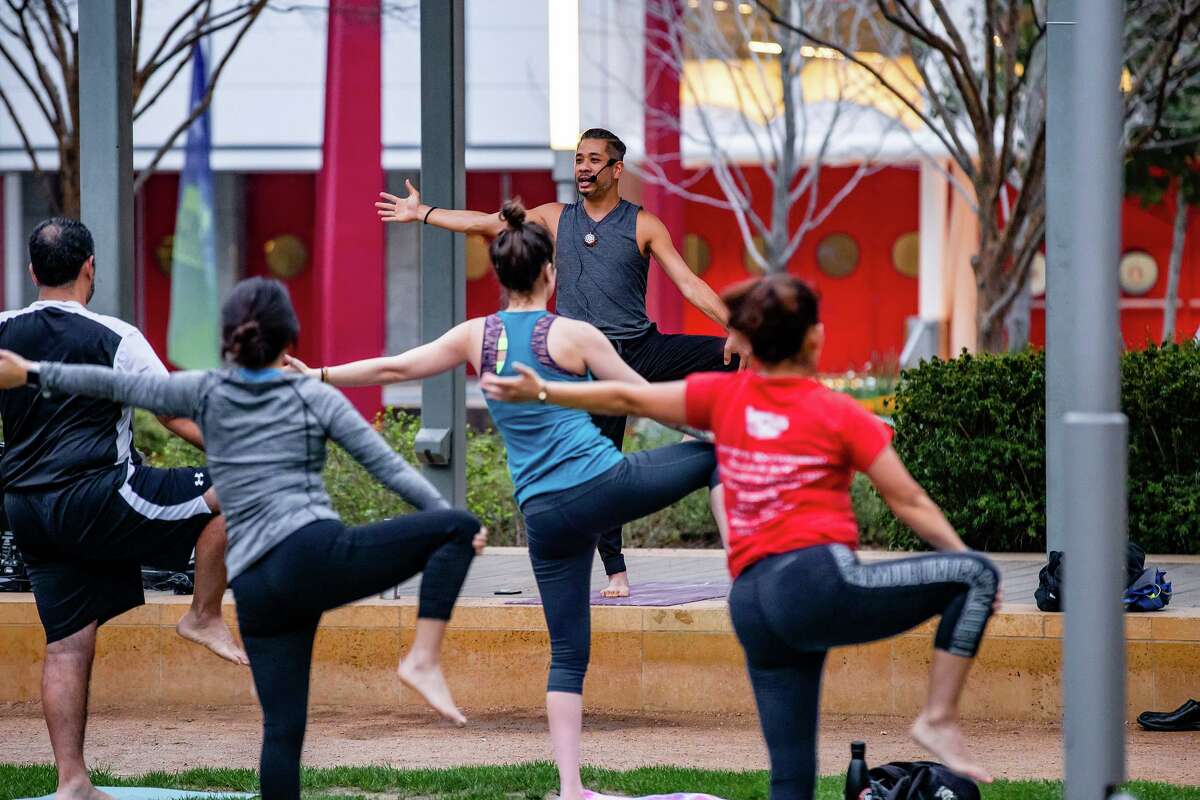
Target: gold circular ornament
(478,260)
(1037,275)
(696,253)
(286,256)
(837,255)
(906,254)
(164,254)
(760,246)
(1138,272)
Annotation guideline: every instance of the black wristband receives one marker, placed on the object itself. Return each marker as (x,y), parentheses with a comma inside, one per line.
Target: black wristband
(32,378)
(427,213)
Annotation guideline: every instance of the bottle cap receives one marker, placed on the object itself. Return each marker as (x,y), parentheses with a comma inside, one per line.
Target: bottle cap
(858,749)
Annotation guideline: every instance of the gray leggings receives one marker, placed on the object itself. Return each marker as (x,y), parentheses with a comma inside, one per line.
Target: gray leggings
(789,609)
(563,527)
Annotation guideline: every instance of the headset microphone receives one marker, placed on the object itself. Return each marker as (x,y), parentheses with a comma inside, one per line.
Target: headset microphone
(592,178)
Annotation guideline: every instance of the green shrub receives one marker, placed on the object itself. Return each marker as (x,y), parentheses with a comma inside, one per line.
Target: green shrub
(972,432)
(358,498)
(1160,393)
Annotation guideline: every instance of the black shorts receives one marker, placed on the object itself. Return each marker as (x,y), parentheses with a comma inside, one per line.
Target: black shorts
(84,545)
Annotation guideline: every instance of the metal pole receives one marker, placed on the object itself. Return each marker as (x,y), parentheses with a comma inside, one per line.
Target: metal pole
(1061,134)
(106,149)
(564,176)
(1095,431)
(443,268)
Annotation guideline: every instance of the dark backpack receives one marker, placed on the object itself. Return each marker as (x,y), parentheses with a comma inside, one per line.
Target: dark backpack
(920,780)
(1050,580)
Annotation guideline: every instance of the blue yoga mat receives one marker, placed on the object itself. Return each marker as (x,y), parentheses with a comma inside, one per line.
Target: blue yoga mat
(146,793)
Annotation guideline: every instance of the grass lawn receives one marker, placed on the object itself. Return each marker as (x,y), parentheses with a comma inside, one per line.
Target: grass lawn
(517,782)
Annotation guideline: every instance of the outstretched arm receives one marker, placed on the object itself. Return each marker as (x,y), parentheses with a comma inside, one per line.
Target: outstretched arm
(347,427)
(909,502)
(441,355)
(392,208)
(693,289)
(664,402)
(176,395)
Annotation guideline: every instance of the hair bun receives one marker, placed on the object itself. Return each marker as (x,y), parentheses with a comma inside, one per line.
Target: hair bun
(513,212)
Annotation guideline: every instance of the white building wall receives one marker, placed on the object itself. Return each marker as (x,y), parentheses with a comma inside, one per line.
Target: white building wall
(267,113)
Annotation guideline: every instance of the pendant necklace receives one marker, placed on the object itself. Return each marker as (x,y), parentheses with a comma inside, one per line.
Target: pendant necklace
(590,237)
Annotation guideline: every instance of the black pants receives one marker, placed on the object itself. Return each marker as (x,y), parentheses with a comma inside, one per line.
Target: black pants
(562,528)
(789,610)
(657,357)
(281,597)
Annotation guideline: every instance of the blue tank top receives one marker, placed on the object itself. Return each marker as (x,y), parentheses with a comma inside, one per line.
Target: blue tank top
(550,448)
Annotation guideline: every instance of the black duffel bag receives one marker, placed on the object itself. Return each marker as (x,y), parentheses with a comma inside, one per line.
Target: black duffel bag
(13,577)
(920,780)
(1049,593)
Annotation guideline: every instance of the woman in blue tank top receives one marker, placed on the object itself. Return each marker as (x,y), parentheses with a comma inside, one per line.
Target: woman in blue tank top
(571,482)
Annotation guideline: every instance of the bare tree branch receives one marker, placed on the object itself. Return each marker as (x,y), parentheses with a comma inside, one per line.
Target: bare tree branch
(204,103)
(876,74)
(25,79)
(44,78)
(28,146)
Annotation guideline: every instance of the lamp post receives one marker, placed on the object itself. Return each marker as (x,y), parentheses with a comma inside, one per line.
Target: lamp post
(563,36)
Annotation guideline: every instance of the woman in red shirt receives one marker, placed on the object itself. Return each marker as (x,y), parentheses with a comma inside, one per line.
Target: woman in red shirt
(787,449)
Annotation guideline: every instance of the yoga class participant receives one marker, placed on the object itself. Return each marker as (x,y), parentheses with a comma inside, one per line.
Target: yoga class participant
(571,482)
(788,448)
(86,513)
(603,247)
(289,557)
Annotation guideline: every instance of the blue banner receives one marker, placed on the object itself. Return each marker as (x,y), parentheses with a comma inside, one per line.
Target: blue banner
(193,332)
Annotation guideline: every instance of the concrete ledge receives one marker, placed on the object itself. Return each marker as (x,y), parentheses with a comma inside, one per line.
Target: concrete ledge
(675,659)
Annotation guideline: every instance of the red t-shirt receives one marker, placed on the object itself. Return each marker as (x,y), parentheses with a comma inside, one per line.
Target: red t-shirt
(787,448)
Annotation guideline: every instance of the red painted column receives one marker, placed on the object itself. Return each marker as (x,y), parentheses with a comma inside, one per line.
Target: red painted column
(663,300)
(348,239)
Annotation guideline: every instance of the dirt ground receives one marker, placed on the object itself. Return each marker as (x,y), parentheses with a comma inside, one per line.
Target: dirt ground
(176,739)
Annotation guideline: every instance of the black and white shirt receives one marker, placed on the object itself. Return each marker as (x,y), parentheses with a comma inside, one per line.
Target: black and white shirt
(51,442)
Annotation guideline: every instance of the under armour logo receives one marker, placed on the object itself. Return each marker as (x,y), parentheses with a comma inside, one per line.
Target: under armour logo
(199,478)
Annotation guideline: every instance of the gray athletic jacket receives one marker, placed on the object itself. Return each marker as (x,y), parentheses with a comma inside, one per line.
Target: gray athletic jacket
(265,442)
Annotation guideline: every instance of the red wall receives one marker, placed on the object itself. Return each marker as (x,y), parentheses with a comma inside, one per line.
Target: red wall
(1149,229)
(864,312)
(484,193)
(158,200)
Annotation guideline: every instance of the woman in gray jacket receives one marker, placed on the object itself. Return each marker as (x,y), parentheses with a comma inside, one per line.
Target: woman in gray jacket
(289,557)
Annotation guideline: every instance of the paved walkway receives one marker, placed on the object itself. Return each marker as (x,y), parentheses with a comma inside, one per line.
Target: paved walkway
(504,573)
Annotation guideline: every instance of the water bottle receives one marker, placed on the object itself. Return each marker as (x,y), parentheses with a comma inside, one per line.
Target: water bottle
(858,784)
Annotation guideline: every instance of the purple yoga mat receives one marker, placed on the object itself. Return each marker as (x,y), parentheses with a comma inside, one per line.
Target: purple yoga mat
(653,593)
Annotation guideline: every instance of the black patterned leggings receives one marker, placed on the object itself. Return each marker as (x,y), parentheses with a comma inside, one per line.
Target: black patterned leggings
(281,597)
(789,610)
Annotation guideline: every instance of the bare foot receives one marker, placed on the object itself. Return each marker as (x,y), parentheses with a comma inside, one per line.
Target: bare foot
(618,586)
(213,633)
(944,741)
(429,682)
(480,541)
(80,790)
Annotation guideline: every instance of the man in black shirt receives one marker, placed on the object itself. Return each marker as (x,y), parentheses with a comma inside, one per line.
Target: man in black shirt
(85,513)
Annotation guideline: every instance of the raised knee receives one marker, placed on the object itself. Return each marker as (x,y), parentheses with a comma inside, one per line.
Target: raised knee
(464,525)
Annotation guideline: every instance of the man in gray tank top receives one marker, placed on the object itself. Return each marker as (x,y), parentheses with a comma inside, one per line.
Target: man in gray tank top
(603,246)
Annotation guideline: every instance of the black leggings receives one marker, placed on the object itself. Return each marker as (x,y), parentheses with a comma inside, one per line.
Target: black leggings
(281,597)
(562,529)
(789,609)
